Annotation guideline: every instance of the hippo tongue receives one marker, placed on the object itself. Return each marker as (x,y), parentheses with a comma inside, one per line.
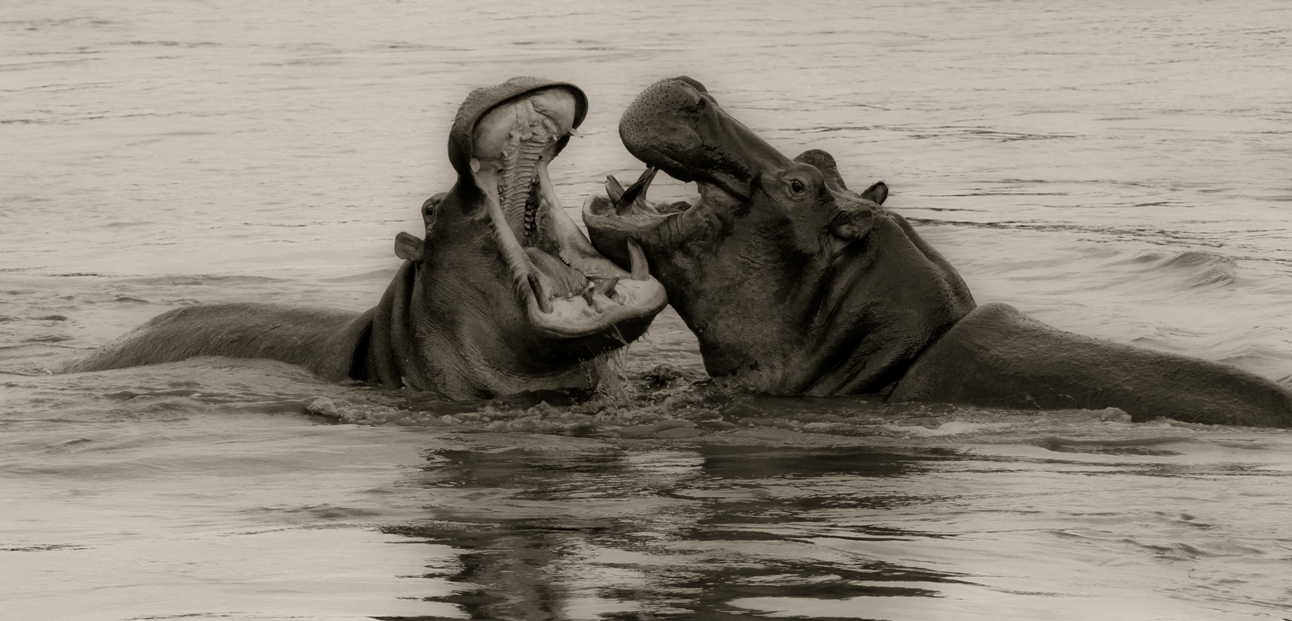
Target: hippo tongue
(565,282)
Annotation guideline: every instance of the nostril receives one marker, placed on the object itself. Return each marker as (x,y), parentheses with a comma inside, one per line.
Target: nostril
(851,224)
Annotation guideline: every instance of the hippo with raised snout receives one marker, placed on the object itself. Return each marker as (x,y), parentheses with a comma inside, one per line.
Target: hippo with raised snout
(505,294)
(795,284)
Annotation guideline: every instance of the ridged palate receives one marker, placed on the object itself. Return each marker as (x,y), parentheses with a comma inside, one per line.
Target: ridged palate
(521,154)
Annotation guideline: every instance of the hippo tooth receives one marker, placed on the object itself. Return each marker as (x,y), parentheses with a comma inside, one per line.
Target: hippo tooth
(540,295)
(475,165)
(607,286)
(614,189)
(637,190)
(637,256)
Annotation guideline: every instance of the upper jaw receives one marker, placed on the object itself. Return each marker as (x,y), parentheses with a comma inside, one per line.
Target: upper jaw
(566,288)
(625,214)
(677,126)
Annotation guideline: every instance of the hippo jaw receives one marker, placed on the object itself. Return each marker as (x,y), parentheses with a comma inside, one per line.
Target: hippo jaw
(567,289)
(506,294)
(792,283)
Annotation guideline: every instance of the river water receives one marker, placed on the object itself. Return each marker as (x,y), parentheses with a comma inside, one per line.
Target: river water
(1118,170)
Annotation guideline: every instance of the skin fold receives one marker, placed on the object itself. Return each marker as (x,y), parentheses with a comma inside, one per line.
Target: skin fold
(503,294)
(794,284)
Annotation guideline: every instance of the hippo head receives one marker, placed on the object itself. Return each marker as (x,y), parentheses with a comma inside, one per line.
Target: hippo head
(791,282)
(509,294)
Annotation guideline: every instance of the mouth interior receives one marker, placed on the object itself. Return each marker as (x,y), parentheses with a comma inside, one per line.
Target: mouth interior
(627,210)
(567,287)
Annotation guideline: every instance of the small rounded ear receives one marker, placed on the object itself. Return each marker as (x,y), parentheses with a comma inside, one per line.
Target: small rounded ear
(823,162)
(408,247)
(877,192)
(852,223)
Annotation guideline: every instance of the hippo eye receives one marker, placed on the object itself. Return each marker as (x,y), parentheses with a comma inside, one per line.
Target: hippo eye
(428,208)
(796,186)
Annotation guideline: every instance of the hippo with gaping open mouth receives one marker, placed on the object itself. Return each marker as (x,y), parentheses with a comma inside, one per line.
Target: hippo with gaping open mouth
(505,294)
(794,284)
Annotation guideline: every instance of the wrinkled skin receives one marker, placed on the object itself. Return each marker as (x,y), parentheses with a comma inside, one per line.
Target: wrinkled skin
(791,282)
(794,284)
(504,295)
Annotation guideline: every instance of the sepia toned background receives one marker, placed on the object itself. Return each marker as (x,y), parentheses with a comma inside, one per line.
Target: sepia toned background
(1115,170)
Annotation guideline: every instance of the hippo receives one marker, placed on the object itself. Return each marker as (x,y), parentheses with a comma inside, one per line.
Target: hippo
(505,294)
(796,285)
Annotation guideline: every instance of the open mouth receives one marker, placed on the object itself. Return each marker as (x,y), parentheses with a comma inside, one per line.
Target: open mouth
(624,218)
(566,286)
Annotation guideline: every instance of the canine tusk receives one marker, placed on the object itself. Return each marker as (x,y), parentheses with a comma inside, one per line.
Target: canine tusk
(635,191)
(614,189)
(540,295)
(637,256)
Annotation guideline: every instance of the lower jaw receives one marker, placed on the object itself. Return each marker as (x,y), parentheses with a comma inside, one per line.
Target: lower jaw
(568,291)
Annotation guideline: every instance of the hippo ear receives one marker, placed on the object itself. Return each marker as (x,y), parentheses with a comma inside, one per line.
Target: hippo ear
(408,247)
(877,192)
(823,162)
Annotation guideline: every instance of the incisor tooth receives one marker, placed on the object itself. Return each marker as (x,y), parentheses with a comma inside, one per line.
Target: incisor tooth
(607,287)
(614,189)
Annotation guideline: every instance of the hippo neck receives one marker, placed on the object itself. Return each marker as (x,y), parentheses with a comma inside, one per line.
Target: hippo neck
(759,349)
(416,341)
(847,326)
(879,322)
(409,346)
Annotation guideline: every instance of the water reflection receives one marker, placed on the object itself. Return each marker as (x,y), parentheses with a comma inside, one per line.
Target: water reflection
(704,532)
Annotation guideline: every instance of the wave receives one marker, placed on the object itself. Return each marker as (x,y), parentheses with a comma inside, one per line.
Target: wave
(383,274)
(1191,269)
(200,279)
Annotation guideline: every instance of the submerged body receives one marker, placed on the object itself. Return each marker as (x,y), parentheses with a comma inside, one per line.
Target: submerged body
(999,357)
(325,341)
(504,295)
(794,284)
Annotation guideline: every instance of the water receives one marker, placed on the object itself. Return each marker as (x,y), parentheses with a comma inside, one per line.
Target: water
(1115,170)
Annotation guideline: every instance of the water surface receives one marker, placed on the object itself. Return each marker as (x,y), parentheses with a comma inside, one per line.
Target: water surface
(1118,171)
